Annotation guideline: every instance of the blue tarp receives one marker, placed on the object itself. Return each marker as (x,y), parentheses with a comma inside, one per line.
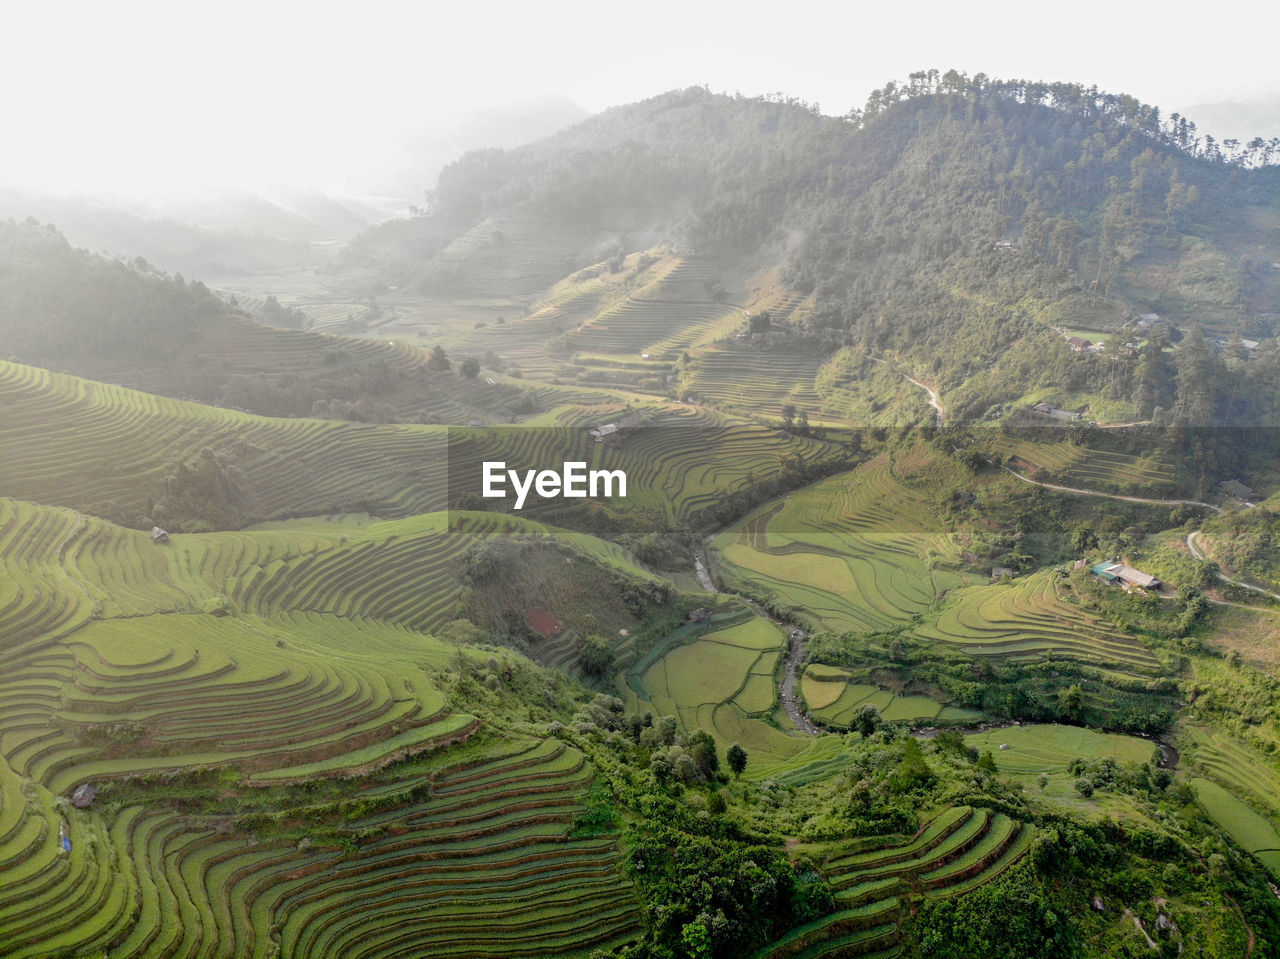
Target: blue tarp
(66,844)
(1104,570)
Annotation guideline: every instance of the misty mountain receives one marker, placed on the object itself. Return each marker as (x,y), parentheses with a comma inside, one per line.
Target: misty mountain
(233,233)
(956,223)
(227,235)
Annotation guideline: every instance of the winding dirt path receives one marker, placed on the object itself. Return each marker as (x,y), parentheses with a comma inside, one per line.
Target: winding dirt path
(1191,545)
(932,393)
(1127,499)
(1191,537)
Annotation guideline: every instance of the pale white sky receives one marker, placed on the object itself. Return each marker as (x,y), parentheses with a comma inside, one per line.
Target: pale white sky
(138,94)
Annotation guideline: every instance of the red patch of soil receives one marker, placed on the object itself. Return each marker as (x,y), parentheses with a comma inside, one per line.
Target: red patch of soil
(540,621)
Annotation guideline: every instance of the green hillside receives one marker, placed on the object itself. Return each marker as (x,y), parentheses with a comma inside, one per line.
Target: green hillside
(834,677)
(964,227)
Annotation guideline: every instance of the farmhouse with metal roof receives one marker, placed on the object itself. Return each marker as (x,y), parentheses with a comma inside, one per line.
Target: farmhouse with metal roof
(1127,575)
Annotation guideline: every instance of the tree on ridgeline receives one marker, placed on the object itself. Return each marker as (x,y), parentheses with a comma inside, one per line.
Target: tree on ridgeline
(470,367)
(439,361)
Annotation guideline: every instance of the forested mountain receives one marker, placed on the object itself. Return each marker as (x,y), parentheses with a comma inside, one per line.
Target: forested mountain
(957,223)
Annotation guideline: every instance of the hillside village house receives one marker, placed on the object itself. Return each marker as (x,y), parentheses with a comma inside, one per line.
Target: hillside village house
(1237,489)
(1056,412)
(1125,575)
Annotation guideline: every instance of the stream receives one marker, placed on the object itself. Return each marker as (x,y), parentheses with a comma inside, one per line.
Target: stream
(795,647)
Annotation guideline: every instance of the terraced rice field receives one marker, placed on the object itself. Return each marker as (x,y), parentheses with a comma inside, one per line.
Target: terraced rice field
(721,680)
(673,470)
(1250,776)
(1049,748)
(329,317)
(485,867)
(672,312)
(87,444)
(1027,618)
(511,257)
(121,445)
(1253,832)
(958,850)
(1032,452)
(833,697)
(1243,769)
(109,670)
(854,552)
(735,377)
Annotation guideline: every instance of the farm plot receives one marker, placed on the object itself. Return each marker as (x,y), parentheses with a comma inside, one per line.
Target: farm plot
(1231,763)
(486,867)
(1254,832)
(850,553)
(721,682)
(157,682)
(111,670)
(673,470)
(1033,451)
(959,849)
(490,852)
(751,381)
(1049,748)
(833,697)
(672,311)
(111,451)
(174,691)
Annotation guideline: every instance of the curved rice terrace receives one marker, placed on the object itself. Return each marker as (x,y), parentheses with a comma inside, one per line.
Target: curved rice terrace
(833,695)
(84,443)
(122,445)
(1250,810)
(721,679)
(837,389)
(1030,618)
(1074,465)
(482,863)
(673,470)
(752,381)
(853,552)
(115,674)
(864,552)
(957,850)
(1253,832)
(634,336)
